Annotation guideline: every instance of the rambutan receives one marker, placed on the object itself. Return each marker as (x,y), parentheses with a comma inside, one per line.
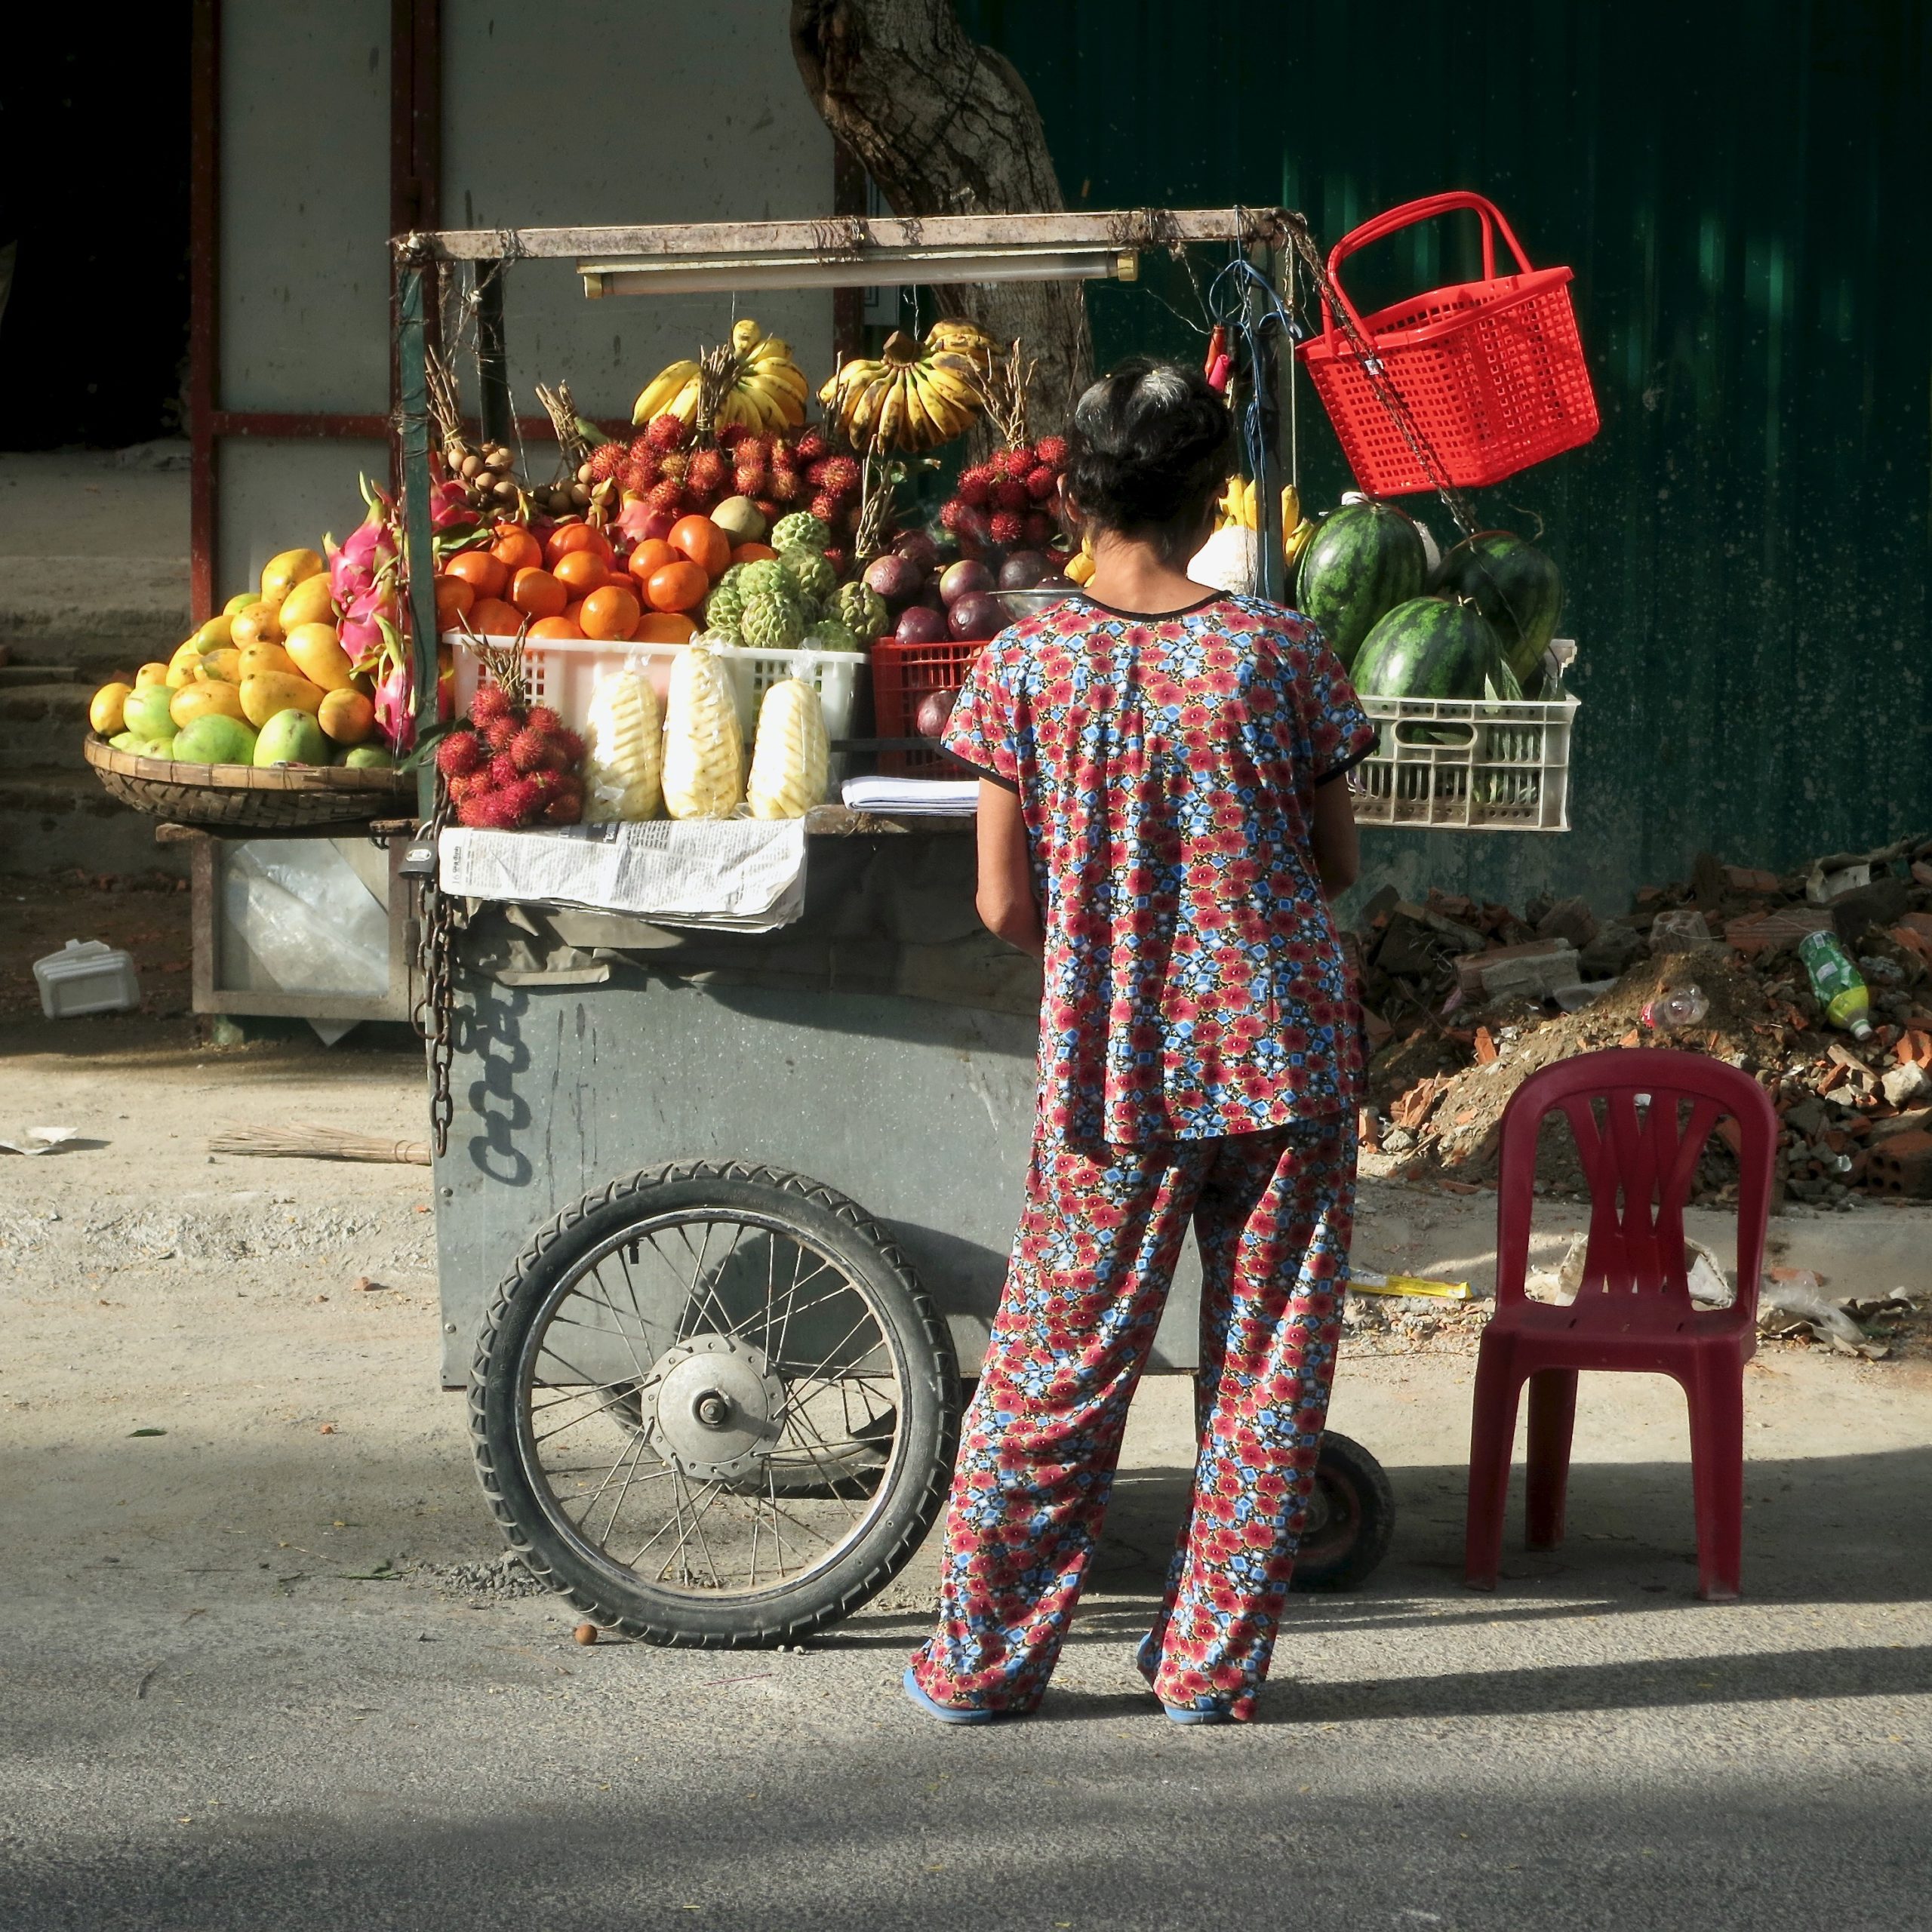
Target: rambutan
(951,511)
(1042,483)
(706,474)
(459,755)
(572,747)
(606,460)
(825,507)
(459,787)
(1015,463)
(1010,493)
(635,478)
(667,432)
(1039,528)
(815,473)
(732,435)
(976,484)
(477,811)
(503,768)
(544,717)
(532,750)
(751,473)
(1052,451)
(811,445)
(566,804)
(841,476)
(767,508)
(786,485)
(490,703)
(838,556)
(1006,527)
(666,499)
(673,466)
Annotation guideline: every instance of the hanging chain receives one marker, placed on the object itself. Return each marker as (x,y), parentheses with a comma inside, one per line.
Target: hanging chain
(1386,392)
(434,1016)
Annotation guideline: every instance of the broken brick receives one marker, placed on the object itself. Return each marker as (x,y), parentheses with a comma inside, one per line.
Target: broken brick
(1485,1047)
(1901,1165)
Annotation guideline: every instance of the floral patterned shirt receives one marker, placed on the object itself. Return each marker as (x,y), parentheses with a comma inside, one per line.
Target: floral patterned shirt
(1166,768)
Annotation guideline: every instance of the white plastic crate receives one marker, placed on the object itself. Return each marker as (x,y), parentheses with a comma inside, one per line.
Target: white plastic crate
(87,975)
(1466,764)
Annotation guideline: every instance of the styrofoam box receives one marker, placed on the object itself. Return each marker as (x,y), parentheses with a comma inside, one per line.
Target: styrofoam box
(87,975)
(1466,764)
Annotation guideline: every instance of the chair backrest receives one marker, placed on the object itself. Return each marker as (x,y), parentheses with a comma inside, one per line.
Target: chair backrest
(1640,1162)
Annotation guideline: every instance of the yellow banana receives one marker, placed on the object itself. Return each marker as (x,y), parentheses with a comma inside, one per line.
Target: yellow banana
(746,336)
(928,418)
(657,393)
(892,414)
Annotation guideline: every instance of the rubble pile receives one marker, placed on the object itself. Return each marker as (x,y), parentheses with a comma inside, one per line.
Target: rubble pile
(1462,1002)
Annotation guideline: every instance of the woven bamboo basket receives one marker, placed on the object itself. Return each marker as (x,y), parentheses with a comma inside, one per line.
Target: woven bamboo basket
(276,797)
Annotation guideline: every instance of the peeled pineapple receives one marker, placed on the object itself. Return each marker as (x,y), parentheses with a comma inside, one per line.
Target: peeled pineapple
(623,764)
(792,754)
(704,744)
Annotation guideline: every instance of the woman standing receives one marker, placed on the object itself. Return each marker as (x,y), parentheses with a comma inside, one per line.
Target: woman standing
(1161,818)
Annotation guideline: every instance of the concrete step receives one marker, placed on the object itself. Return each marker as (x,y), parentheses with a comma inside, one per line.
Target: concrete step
(44,723)
(51,818)
(40,674)
(97,613)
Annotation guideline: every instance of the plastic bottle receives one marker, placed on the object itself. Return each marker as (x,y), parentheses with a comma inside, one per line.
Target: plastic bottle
(1836,984)
(1682,1006)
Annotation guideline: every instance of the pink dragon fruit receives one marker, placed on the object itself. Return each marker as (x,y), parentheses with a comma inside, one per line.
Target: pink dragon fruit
(393,707)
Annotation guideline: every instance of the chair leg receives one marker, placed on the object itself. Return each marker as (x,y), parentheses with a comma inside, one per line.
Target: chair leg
(1552,1415)
(1716,1394)
(1492,1436)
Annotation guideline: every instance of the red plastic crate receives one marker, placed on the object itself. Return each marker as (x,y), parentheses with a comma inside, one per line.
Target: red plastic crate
(903,675)
(1491,372)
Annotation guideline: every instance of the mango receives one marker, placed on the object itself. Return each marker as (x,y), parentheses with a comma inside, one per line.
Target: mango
(317,656)
(224,665)
(292,737)
(104,709)
(215,740)
(260,623)
(262,659)
(263,695)
(240,602)
(153,747)
(124,741)
(152,673)
(283,572)
(347,716)
(146,712)
(214,634)
(183,665)
(204,700)
(309,603)
(369,757)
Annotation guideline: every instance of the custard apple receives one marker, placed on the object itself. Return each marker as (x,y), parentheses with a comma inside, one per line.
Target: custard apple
(724,607)
(828,634)
(766,573)
(770,622)
(800,530)
(861,610)
(809,571)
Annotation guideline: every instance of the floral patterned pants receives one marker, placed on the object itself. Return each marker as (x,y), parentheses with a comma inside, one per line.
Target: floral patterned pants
(1099,1237)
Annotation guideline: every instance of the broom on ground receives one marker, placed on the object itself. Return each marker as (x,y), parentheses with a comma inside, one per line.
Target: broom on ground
(318,1143)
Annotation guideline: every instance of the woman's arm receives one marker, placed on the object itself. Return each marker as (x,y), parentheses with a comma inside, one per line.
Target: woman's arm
(1337,844)
(1004,899)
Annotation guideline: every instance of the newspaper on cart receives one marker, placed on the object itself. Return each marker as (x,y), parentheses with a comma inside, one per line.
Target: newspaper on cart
(732,875)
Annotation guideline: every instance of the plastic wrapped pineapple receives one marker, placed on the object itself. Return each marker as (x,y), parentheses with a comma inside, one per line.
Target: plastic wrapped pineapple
(793,754)
(704,744)
(623,751)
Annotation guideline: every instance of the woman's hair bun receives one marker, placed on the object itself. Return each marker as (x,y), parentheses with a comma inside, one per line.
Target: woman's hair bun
(1150,450)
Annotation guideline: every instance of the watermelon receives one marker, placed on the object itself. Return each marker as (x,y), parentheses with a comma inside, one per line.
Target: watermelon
(1515,586)
(1430,646)
(1363,560)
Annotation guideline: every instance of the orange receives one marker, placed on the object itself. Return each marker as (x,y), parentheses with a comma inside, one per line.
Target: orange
(569,536)
(454,597)
(515,548)
(581,571)
(537,592)
(749,553)
(479,567)
(573,614)
(701,540)
(679,586)
(652,554)
(554,627)
(609,613)
(494,618)
(663,627)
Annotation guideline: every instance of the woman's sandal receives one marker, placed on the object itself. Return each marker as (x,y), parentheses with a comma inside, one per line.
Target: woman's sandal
(945,1713)
(1203,1713)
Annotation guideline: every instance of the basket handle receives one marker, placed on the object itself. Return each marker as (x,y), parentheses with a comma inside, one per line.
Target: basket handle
(1409,215)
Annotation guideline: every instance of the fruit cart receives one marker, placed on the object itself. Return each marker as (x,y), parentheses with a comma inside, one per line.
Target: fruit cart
(723,1217)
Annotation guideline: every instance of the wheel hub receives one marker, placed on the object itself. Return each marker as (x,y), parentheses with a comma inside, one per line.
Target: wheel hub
(713,1408)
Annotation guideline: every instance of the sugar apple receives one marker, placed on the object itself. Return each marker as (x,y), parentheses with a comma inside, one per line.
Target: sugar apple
(828,634)
(809,571)
(800,530)
(861,610)
(724,607)
(770,622)
(766,573)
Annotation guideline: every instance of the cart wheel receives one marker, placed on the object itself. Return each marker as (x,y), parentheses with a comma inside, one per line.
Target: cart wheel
(1351,1515)
(712,1405)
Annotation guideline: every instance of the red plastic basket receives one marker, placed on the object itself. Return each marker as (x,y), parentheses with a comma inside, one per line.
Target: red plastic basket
(1491,372)
(903,675)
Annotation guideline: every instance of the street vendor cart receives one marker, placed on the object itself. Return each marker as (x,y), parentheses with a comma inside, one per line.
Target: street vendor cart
(723,1215)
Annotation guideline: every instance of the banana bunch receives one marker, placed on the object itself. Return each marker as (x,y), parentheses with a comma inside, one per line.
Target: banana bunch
(1239,510)
(914,395)
(767,393)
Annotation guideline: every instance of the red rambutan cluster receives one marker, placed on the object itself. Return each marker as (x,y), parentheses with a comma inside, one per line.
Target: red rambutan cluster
(505,769)
(667,432)
(1006,501)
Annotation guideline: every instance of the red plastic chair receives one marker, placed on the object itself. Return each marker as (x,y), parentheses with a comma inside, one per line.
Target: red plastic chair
(1633,1311)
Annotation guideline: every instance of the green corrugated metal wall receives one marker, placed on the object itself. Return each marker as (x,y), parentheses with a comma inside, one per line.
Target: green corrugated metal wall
(1743,194)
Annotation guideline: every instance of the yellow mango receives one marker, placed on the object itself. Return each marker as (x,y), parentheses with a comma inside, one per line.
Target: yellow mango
(222,666)
(267,692)
(309,603)
(151,673)
(266,660)
(104,709)
(240,602)
(282,573)
(183,665)
(258,624)
(317,656)
(203,700)
(214,634)
(347,716)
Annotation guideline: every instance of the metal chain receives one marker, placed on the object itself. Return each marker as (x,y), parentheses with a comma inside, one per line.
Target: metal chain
(434,1015)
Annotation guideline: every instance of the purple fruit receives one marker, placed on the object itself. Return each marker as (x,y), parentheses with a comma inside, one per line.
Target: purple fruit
(1023,570)
(917,547)
(962,580)
(1056,582)
(935,711)
(977,614)
(897,579)
(918,625)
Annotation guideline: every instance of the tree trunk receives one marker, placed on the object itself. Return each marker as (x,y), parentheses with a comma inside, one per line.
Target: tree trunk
(945,127)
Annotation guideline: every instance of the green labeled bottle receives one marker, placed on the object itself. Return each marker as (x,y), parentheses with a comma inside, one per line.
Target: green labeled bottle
(1836,983)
